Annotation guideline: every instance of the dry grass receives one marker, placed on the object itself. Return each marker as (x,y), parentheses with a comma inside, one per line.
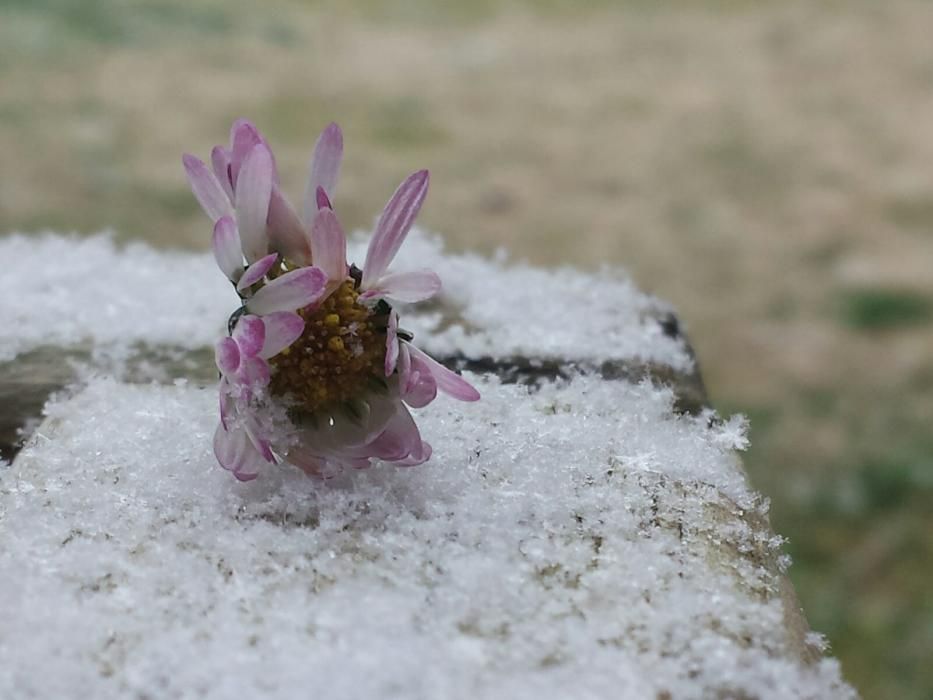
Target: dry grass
(766,167)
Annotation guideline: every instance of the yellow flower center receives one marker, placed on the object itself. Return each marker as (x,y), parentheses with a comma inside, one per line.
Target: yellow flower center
(339,356)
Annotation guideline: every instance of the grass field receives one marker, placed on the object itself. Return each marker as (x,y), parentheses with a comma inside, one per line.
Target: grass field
(767,167)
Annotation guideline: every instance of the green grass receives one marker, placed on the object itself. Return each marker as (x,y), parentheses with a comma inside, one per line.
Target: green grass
(110,23)
(880,309)
(857,532)
(51,33)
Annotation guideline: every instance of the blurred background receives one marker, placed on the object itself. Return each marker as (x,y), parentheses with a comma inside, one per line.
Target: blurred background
(766,167)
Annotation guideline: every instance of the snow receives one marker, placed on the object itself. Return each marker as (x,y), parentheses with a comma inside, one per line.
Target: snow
(507,309)
(559,544)
(66,290)
(580,540)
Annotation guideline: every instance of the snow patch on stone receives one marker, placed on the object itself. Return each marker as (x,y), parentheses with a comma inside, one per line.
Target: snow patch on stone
(581,541)
(510,308)
(67,290)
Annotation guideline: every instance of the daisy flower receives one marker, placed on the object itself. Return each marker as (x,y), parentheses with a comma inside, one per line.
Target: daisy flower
(316,371)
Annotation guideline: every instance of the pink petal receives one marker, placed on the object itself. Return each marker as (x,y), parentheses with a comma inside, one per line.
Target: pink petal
(253,432)
(227,355)
(419,456)
(282,329)
(449,382)
(404,368)
(220,161)
(286,232)
(254,189)
(391,344)
(393,226)
(422,389)
(229,447)
(249,334)
(398,440)
(225,243)
(356,463)
(324,169)
(329,245)
(226,403)
(253,373)
(244,136)
(314,467)
(323,202)
(293,290)
(236,452)
(207,188)
(256,271)
(408,287)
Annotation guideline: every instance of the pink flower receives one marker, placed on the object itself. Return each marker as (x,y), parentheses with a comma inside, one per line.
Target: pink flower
(242,442)
(316,371)
(247,203)
(243,183)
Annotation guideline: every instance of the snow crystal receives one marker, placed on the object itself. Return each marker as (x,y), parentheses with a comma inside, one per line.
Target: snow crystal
(66,290)
(580,541)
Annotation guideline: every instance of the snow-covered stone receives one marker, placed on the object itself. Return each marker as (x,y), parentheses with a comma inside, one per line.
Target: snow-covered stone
(66,291)
(579,539)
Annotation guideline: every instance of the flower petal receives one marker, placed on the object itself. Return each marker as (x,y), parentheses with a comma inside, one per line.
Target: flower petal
(282,329)
(253,373)
(293,290)
(253,432)
(313,465)
(256,271)
(409,287)
(229,446)
(323,201)
(226,403)
(393,225)
(254,189)
(207,188)
(391,344)
(418,456)
(250,335)
(236,453)
(286,232)
(243,137)
(449,382)
(225,243)
(227,355)
(324,168)
(329,245)
(357,463)
(220,161)
(399,439)
(404,368)
(422,389)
